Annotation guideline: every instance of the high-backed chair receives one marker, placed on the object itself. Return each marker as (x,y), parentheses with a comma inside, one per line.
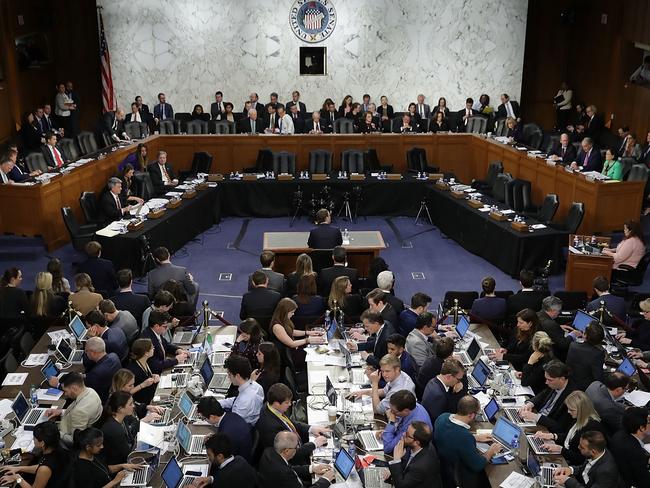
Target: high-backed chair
(320,162)
(532,135)
(499,187)
(477,124)
(628,276)
(465,299)
(182,118)
(284,162)
(87,142)
(343,126)
(197,127)
(495,168)
(627,164)
(168,126)
(639,172)
(36,161)
(372,163)
(136,130)
(552,141)
(70,149)
(222,127)
(88,204)
(500,128)
(416,161)
(547,211)
(80,235)
(518,195)
(573,218)
(352,161)
(144,185)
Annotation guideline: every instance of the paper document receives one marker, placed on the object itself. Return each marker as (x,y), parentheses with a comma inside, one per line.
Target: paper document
(538,226)
(637,398)
(57,335)
(36,360)
(517,480)
(524,390)
(334,361)
(5,407)
(15,379)
(24,440)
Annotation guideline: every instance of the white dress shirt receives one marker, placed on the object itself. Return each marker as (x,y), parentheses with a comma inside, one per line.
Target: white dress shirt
(248,402)
(285,124)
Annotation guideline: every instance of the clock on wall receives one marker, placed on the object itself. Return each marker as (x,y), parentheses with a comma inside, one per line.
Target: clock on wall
(312,21)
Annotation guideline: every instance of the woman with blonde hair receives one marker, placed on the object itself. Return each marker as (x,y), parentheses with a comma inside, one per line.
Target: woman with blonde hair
(341,297)
(44,302)
(304,266)
(586,419)
(532,373)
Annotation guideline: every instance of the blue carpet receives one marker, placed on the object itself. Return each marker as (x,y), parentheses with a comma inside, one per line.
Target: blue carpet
(411,249)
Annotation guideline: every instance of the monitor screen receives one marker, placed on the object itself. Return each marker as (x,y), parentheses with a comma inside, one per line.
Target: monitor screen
(626,367)
(330,391)
(491,409)
(64,349)
(185,405)
(206,371)
(20,406)
(77,327)
(183,435)
(582,320)
(481,372)
(532,463)
(507,433)
(462,327)
(332,330)
(172,474)
(50,370)
(473,349)
(344,463)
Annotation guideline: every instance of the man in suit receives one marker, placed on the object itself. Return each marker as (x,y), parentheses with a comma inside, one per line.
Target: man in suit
(5,169)
(163,110)
(378,302)
(614,305)
(589,158)
(365,104)
(297,119)
(120,319)
(586,359)
(595,124)
(418,342)
(422,109)
(110,203)
(463,115)
(254,99)
(324,235)
(386,283)
(276,280)
(563,151)
(526,297)
(508,108)
(156,331)
(409,316)
(419,468)
(100,270)
(551,308)
(52,154)
(327,275)
(145,113)
(39,121)
(395,344)
(229,424)
(217,108)
(102,367)
(489,307)
(260,301)
(114,338)
(271,119)
(51,125)
(285,122)
(125,299)
(113,125)
(252,124)
(330,116)
(607,398)
(375,344)
(599,469)
(438,394)
(162,174)
(547,408)
(227,468)
(166,271)
(273,419)
(315,126)
(15,172)
(301,109)
(275,471)
(627,447)
(135,115)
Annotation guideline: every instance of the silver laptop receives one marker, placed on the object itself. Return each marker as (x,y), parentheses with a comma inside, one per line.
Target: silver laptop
(164,419)
(507,433)
(469,355)
(78,328)
(141,477)
(67,353)
(187,407)
(191,443)
(27,416)
(173,475)
(541,472)
(174,380)
(185,337)
(536,445)
(213,381)
(218,359)
(514,416)
(479,375)
(369,440)
(359,376)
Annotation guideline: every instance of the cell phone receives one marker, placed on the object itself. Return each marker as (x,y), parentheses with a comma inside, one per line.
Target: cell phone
(509,400)
(193,473)
(227,344)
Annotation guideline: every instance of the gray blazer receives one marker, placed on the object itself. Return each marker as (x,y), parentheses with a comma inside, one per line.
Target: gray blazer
(609,411)
(276,281)
(418,347)
(167,271)
(603,474)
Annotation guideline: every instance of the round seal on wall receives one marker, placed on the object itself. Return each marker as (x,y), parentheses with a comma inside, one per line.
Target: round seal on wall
(312,21)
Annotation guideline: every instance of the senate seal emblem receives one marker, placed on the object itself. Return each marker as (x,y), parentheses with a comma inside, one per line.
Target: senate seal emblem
(312,21)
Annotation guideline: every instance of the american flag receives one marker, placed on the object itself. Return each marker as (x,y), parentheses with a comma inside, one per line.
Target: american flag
(313,18)
(108,91)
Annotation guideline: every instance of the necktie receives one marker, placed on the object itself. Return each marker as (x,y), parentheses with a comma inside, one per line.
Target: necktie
(5,180)
(163,111)
(563,150)
(115,123)
(117,201)
(549,403)
(586,161)
(422,111)
(253,126)
(272,121)
(164,173)
(48,124)
(57,157)
(332,116)
(280,124)
(317,127)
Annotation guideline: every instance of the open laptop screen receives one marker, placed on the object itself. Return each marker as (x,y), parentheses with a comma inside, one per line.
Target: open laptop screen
(330,391)
(507,433)
(491,409)
(582,320)
(462,327)
(185,405)
(20,406)
(473,349)
(626,367)
(77,327)
(344,463)
(172,474)
(206,372)
(481,372)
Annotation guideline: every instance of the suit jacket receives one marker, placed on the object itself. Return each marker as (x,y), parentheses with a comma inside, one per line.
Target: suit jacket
(259,302)
(326,117)
(159,361)
(608,410)
(49,158)
(418,347)
(629,453)
(17,175)
(594,128)
(603,474)
(427,110)
(302,109)
(593,163)
(270,424)
(239,433)
(84,301)
(276,281)
(112,127)
(102,273)
(100,375)
(132,302)
(570,153)
(423,471)
(298,123)
(245,125)
(558,419)
(586,363)
(436,399)
(572,454)
(377,344)
(324,236)
(489,308)
(645,155)
(524,299)
(215,112)
(461,127)
(325,127)
(157,178)
(613,303)
(274,472)
(109,210)
(167,271)
(115,341)
(502,112)
(236,473)
(561,342)
(327,276)
(158,112)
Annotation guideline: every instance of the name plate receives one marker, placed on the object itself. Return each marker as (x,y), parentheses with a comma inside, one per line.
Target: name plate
(188,194)
(285,177)
(319,177)
(174,203)
(498,216)
(249,177)
(519,226)
(441,185)
(215,177)
(156,214)
(435,176)
(393,176)
(357,177)
(458,194)
(135,225)
(475,203)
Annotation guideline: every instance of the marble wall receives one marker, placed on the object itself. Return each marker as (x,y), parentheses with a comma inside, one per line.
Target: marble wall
(191,48)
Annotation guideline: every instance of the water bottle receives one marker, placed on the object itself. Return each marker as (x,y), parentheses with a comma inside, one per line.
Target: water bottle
(327,321)
(346,235)
(33,396)
(575,242)
(352,449)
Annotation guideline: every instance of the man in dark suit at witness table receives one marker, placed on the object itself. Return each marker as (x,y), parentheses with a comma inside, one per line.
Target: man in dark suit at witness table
(324,235)
(110,204)
(162,174)
(253,124)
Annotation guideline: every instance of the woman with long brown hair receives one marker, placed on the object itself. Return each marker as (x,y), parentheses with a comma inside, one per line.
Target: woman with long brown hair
(310,304)
(519,348)
(248,340)
(341,297)
(304,266)
(283,331)
(269,362)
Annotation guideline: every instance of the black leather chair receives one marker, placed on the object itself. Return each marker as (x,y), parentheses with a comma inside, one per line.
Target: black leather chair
(532,133)
(320,162)
(465,299)
(70,149)
(639,172)
(552,141)
(476,124)
(572,300)
(104,140)
(499,187)
(36,161)
(371,162)
(87,142)
(573,218)
(627,164)
(547,211)
(202,162)
(182,118)
(80,235)
(197,127)
(263,163)
(343,126)
(500,128)
(628,276)
(88,204)
(352,161)
(518,195)
(494,169)
(416,161)
(222,127)
(144,186)
(284,162)
(136,130)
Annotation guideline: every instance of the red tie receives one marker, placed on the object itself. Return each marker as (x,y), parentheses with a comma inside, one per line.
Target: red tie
(117,201)
(57,157)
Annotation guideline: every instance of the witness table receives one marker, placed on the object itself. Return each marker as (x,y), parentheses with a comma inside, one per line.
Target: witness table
(363,247)
(582,267)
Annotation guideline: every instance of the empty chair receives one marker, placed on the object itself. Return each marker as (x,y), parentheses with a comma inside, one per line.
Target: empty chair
(167,126)
(518,195)
(144,186)
(626,164)
(500,128)
(182,118)
(136,130)
(26,344)
(572,300)
(88,204)
(552,141)
(547,211)
(320,162)
(36,161)
(343,126)
(639,172)
(416,161)
(465,299)
(494,169)
(222,127)
(352,161)
(9,363)
(197,127)
(87,142)
(499,187)
(202,162)
(79,234)
(573,218)
(284,162)
(105,140)
(372,163)
(70,149)
(477,124)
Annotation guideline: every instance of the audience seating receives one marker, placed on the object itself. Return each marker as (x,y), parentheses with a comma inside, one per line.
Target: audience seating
(572,300)
(136,130)
(573,219)
(222,127)
(343,126)
(69,148)
(88,204)
(36,161)
(182,118)
(352,161)
(169,126)
(320,162)
(499,293)
(197,127)
(477,124)
(25,343)
(80,235)
(284,162)
(465,299)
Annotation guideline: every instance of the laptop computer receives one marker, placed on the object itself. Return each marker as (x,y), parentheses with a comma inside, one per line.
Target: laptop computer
(582,320)
(479,375)
(50,370)
(218,359)
(536,444)
(78,328)
(468,356)
(186,337)
(371,476)
(369,440)
(543,473)
(462,327)
(512,413)
(173,475)
(489,411)
(187,407)
(344,464)
(67,353)
(191,443)
(27,416)
(506,433)
(212,380)
(626,367)
(330,391)
(174,380)
(141,477)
